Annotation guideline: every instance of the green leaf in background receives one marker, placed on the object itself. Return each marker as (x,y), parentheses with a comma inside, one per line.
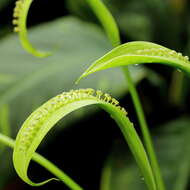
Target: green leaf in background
(35,80)
(171,144)
(4,124)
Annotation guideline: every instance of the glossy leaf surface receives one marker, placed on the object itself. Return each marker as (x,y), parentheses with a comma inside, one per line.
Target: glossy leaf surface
(134,53)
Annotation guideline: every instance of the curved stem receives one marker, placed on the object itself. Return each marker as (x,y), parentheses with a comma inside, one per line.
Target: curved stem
(144,128)
(106,178)
(46,164)
(107,21)
(4,123)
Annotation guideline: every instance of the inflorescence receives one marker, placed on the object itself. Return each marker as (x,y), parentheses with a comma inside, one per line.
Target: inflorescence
(163,52)
(16,14)
(40,115)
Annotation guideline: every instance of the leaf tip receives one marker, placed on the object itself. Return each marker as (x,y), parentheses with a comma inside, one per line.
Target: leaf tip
(43,54)
(44,182)
(80,78)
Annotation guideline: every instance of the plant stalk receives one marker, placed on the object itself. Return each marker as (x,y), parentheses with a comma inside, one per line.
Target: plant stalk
(144,128)
(46,164)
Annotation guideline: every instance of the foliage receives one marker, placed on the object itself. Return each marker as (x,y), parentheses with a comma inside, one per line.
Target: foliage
(24,77)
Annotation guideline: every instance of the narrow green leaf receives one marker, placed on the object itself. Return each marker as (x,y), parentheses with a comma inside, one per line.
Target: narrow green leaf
(20,19)
(45,117)
(139,52)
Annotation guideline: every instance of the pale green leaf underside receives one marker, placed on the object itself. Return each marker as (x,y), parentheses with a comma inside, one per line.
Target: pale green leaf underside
(44,118)
(137,53)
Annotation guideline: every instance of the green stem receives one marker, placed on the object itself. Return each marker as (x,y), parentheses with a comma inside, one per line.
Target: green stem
(176,88)
(106,178)
(46,164)
(107,21)
(4,124)
(144,128)
(112,31)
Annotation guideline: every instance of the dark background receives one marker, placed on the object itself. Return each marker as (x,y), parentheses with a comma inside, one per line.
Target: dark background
(82,151)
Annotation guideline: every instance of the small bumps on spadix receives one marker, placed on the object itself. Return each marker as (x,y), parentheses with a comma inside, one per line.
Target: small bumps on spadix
(38,117)
(138,52)
(20,14)
(163,52)
(16,14)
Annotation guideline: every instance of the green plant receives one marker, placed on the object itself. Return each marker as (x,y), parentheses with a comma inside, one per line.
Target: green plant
(43,119)
(20,18)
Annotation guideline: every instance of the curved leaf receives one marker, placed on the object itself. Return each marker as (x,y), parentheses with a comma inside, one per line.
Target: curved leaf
(137,53)
(20,18)
(45,117)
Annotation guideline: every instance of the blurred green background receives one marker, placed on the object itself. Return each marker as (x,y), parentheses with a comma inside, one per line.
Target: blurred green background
(87,143)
